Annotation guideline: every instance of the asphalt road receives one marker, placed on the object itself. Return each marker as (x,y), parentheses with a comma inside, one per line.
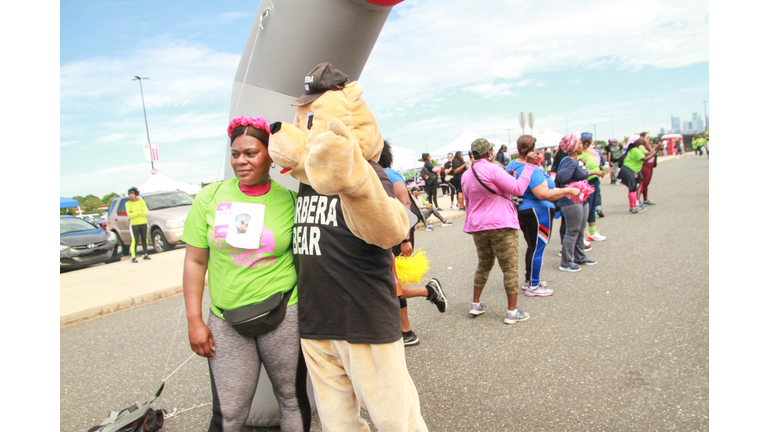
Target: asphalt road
(620,346)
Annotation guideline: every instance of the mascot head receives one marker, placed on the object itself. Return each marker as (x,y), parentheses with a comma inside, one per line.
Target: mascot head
(328,94)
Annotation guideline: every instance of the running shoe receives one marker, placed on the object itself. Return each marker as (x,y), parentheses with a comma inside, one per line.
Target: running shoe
(572,269)
(600,213)
(587,262)
(410,340)
(146,257)
(649,203)
(439,209)
(635,211)
(587,248)
(477,309)
(560,253)
(447,223)
(586,243)
(429,228)
(435,294)
(134,260)
(596,237)
(453,207)
(518,315)
(539,291)
(526,284)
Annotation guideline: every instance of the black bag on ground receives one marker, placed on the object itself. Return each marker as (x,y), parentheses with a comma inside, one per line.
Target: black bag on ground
(138,417)
(259,318)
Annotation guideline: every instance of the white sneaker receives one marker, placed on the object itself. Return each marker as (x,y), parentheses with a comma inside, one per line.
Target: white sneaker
(586,243)
(597,237)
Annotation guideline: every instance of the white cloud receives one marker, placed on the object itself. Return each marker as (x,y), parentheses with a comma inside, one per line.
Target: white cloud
(435,47)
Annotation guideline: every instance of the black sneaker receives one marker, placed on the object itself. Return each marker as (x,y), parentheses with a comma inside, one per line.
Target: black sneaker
(410,339)
(435,294)
(146,257)
(134,260)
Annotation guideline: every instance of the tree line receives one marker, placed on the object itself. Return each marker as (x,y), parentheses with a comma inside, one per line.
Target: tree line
(91,203)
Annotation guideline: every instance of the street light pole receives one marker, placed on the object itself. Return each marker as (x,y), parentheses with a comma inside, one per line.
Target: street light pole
(509,137)
(136,77)
(706,119)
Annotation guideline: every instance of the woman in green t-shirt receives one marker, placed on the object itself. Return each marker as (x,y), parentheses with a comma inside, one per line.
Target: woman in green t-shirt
(240,232)
(630,171)
(137,213)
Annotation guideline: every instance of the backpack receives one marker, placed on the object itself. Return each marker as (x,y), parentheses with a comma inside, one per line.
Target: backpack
(138,417)
(429,176)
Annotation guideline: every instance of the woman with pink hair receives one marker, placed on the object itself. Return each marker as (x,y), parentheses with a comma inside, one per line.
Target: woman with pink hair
(575,215)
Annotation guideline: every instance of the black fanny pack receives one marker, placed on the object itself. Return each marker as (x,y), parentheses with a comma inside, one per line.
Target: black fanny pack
(259,318)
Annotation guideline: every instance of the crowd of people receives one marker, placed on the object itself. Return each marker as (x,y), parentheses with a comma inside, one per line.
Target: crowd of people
(316,298)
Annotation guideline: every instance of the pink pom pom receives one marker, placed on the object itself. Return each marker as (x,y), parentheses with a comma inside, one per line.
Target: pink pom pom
(257,122)
(584,187)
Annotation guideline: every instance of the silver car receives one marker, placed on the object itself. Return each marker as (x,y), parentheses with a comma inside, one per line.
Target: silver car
(81,244)
(165,220)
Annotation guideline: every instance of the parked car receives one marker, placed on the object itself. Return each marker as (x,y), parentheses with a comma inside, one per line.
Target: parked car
(82,243)
(165,220)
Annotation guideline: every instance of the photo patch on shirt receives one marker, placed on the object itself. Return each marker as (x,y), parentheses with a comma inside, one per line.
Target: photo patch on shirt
(240,224)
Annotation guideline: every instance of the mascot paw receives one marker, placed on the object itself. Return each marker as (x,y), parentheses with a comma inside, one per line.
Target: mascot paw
(335,164)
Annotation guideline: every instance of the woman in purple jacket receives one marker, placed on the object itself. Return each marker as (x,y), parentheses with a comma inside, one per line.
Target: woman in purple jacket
(492,221)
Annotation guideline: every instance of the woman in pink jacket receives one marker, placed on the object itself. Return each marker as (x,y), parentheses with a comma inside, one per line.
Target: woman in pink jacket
(492,221)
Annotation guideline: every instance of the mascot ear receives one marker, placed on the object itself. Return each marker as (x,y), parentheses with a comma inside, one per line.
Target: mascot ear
(275,127)
(353,91)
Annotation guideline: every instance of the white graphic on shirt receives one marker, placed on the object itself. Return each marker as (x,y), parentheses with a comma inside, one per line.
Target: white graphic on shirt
(312,210)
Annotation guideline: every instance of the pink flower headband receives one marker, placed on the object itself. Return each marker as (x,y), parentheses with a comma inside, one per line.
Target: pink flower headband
(568,143)
(257,122)
(633,138)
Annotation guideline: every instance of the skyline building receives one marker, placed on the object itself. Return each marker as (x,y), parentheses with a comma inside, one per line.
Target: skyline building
(675,124)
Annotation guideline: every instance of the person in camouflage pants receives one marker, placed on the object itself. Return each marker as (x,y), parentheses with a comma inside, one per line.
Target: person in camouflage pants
(501,244)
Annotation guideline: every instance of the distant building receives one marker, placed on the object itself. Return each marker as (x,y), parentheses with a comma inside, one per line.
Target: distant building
(676,124)
(662,132)
(698,123)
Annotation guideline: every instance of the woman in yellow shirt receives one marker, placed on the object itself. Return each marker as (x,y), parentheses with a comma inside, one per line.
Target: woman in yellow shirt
(137,211)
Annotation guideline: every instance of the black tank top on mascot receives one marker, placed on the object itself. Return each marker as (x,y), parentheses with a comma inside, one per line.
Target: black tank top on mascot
(346,287)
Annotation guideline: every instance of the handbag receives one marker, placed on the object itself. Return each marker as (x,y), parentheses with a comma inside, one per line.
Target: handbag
(259,318)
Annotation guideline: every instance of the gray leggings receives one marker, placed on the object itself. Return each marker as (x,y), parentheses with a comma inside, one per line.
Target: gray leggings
(573,243)
(235,370)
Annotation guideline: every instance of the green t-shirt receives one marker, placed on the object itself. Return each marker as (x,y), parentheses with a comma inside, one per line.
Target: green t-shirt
(634,159)
(592,164)
(137,211)
(241,276)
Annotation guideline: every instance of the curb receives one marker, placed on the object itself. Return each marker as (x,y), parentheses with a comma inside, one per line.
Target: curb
(117,306)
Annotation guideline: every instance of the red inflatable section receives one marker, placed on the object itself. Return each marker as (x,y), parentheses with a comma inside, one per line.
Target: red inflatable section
(384,2)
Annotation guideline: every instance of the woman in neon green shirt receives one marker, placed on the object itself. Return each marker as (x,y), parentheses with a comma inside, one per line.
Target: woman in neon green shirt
(137,212)
(630,170)
(240,232)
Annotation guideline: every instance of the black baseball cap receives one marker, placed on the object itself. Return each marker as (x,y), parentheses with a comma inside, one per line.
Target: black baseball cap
(322,78)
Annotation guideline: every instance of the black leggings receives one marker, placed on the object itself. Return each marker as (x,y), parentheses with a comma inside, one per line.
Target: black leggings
(139,232)
(431,190)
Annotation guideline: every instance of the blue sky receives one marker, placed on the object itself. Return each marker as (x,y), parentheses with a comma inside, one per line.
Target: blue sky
(438,68)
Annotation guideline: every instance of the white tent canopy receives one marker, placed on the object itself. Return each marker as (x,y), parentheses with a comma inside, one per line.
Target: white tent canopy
(404,159)
(462,143)
(159,182)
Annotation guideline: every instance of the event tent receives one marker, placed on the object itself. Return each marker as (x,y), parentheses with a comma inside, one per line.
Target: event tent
(404,159)
(159,182)
(462,143)
(68,203)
